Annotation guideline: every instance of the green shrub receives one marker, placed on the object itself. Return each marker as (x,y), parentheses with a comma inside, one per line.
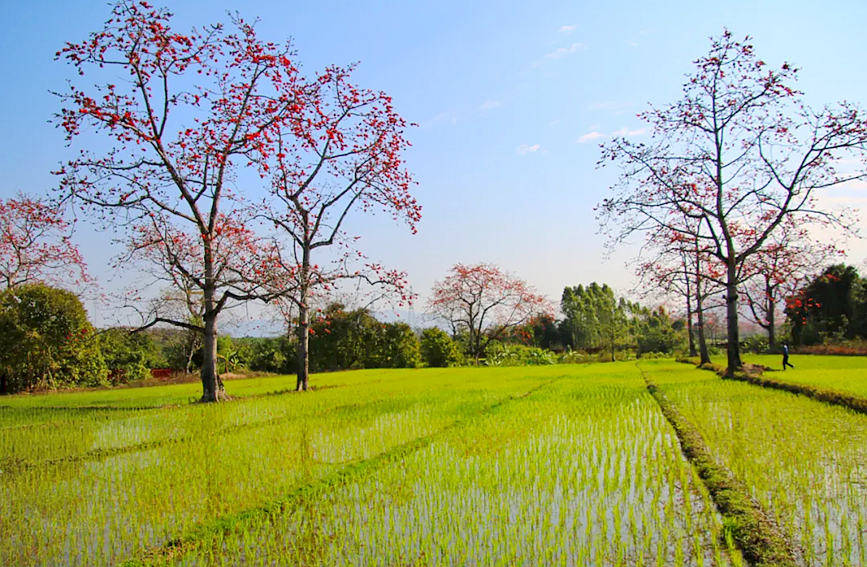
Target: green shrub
(503,354)
(128,356)
(398,348)
(438,348)
(268,354)
(755,343)
(46,340)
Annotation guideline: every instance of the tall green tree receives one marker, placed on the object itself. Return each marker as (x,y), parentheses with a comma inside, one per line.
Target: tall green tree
(833,304)
(46,340)
(439,349)
(594,317)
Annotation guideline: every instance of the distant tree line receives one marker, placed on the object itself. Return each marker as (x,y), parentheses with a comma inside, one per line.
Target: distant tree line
(46,339)
(831,307)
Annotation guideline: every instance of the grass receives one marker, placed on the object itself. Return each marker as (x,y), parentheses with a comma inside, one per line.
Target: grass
(805,462)
(582,470)
(845,374)
(561,464)
(761,539)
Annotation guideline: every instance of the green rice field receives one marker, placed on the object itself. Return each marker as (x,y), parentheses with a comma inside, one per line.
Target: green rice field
(846,374)
(545,465)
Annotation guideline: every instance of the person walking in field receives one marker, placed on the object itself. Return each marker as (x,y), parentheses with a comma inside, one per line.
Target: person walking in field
(786,357)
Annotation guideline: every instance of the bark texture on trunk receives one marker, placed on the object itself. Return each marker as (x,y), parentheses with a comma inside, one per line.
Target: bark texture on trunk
(772,331)
(689,329)
(733,351)
(704,354)
(212,386)
(303,358)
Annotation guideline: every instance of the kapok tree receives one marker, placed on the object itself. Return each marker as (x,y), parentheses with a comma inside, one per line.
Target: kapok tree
(180,113)
(739,153)
(35,245)
(340,156)
(485,302)
(174,258)
(780,269)
(676,262)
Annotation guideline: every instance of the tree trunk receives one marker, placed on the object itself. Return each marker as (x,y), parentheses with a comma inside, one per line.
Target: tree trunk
(704,354)
(772,339)
(303,354)
(303,345)
(191,349)
(212,386)
(689,330)
(733,351)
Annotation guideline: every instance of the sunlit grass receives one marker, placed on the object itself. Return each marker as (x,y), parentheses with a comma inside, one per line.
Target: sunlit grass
(846,374)
(584,471)
(100,510)
(571,465)
(805,461)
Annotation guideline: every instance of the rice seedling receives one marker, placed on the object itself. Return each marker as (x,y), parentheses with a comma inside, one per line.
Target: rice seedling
(555,465)
(845,374)
(584,471)
(99,510)
(805,461)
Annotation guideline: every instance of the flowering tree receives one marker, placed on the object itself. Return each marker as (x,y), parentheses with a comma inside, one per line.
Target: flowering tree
(677,265)
(779,270)
(485,302)
(181,112)
(35,245)
(340,155)
(739,153)
(833,305)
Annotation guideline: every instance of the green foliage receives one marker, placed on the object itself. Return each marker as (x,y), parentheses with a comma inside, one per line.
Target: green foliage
(596,320)
(268,354)
(505,354)
(229,356)
(398,348)
(180,349)
(831,308)
(654,331)
(343,339)
(128,356)
(46,339)
(438,348)
(755,343)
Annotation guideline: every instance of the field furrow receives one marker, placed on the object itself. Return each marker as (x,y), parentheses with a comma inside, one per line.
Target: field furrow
(96,513)
(804,461)
(584,472)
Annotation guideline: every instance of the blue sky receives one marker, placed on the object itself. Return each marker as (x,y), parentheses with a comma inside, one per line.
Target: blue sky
(511,101)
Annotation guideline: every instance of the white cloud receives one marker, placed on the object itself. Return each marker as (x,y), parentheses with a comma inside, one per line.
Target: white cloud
(627,133)
(561,52)
(490,104)
(525,149)
(446,117)
(566,29)
(590,136)
(595,134)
